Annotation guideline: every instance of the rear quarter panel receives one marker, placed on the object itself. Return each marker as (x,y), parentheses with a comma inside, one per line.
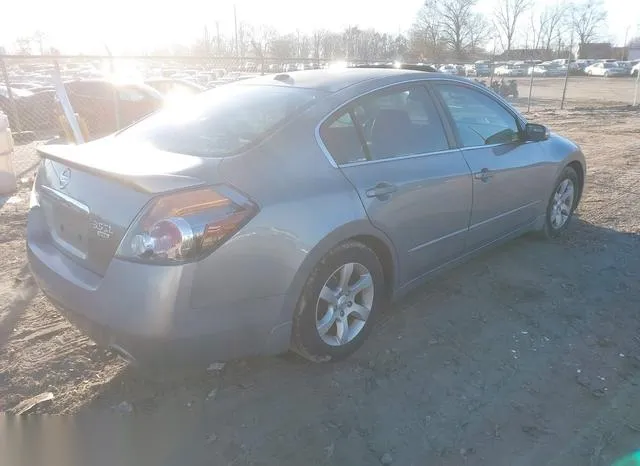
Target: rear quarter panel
(306,208)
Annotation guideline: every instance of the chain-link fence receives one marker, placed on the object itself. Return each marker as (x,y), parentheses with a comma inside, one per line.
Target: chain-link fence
(136,86)
(109,93)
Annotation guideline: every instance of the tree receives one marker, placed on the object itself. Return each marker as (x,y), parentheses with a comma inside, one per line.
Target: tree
(506,17)
(317,40)
(556,17)
(23,45)
(283,47)
(586,18)
(204,45)
(456,19)
(261,39)
(449,24)
(426,35)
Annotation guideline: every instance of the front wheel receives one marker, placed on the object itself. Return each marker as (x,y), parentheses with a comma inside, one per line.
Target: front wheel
(339,303)
(562,203)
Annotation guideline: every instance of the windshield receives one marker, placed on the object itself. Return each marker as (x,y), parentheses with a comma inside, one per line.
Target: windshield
(222,121)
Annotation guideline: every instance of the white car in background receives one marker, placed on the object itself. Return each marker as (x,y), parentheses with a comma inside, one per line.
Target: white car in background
(547,71)
(510,70)
(448,69)
(606,69)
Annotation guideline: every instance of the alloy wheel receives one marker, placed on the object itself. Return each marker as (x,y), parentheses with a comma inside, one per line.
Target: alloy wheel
(344,304)
(562,204)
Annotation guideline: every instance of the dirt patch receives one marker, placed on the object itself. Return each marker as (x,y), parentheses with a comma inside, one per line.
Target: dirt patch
(527,355)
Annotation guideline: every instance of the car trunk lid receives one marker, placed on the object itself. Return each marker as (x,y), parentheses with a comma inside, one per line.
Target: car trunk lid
(90,194)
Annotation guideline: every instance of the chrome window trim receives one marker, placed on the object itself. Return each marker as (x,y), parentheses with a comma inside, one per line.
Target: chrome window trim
(401,157)
(425,81)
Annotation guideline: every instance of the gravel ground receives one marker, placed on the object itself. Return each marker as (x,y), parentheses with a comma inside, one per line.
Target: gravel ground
(527,355)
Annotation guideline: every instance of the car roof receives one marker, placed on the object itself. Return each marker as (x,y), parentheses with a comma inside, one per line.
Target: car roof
(334,79)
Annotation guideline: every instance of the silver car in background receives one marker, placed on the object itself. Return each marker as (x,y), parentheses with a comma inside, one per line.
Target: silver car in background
(284,212)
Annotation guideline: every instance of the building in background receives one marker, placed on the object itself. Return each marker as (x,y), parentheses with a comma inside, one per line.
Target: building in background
(634,49)
(596,50)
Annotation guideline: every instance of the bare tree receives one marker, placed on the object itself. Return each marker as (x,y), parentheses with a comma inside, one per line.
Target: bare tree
(426,35)
(506,17)
(317,39)
(23,45)
(479,32)
(586,19)
(556,19)
(452,23)
(284,47)
(261,40)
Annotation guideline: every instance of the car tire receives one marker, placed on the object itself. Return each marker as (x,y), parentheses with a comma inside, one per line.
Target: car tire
(318,332)
(559,212)
(606,74)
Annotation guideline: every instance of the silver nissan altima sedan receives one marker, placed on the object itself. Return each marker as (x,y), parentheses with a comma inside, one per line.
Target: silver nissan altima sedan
(284,212)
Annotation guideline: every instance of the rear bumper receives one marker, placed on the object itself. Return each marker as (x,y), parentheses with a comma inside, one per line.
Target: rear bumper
(146,310)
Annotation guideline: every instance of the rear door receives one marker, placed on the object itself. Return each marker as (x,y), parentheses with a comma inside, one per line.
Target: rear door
(392,146)
(507,193)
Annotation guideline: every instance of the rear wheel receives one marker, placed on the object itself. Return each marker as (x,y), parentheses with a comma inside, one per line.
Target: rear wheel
(562,203)
(339,303)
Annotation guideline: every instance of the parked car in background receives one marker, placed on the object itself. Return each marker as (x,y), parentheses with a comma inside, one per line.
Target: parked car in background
(477,69)
(177,238)
(510,70)
(172,89)
(448,69)
(547,71)
(32,110)
(107,106)
(606,69)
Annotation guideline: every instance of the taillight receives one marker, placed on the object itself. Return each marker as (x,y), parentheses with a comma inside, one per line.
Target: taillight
(186,226)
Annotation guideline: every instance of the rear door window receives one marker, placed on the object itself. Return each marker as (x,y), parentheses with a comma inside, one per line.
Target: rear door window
(386,124)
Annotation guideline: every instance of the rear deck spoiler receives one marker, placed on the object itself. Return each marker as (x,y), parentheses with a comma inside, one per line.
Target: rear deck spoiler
(147,183)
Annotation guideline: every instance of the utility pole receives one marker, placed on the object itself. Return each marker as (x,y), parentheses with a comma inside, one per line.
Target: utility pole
(235,28)
(625,51)
(218,38)
(348,42)
(566,76)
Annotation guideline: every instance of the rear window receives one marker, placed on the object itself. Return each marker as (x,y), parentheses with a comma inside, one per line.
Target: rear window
(222,121)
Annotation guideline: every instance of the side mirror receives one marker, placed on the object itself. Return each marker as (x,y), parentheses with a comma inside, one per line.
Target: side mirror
(535,132)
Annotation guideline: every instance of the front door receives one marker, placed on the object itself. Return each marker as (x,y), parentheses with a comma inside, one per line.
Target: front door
(507,194)
(393,148)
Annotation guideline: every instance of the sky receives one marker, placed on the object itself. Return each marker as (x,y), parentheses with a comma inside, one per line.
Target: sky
(86,26)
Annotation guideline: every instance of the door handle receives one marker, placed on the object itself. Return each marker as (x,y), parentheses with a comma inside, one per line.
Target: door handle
(483,175)
(382,190)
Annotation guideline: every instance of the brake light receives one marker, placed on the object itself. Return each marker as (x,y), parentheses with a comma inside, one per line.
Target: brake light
(186,226)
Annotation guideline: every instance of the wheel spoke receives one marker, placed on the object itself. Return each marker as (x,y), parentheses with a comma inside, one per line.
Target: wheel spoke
(567,195)
(359,311)
(328,295)
(345,275)
(326,322)
(563,186)
(365,281)
(342,334)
